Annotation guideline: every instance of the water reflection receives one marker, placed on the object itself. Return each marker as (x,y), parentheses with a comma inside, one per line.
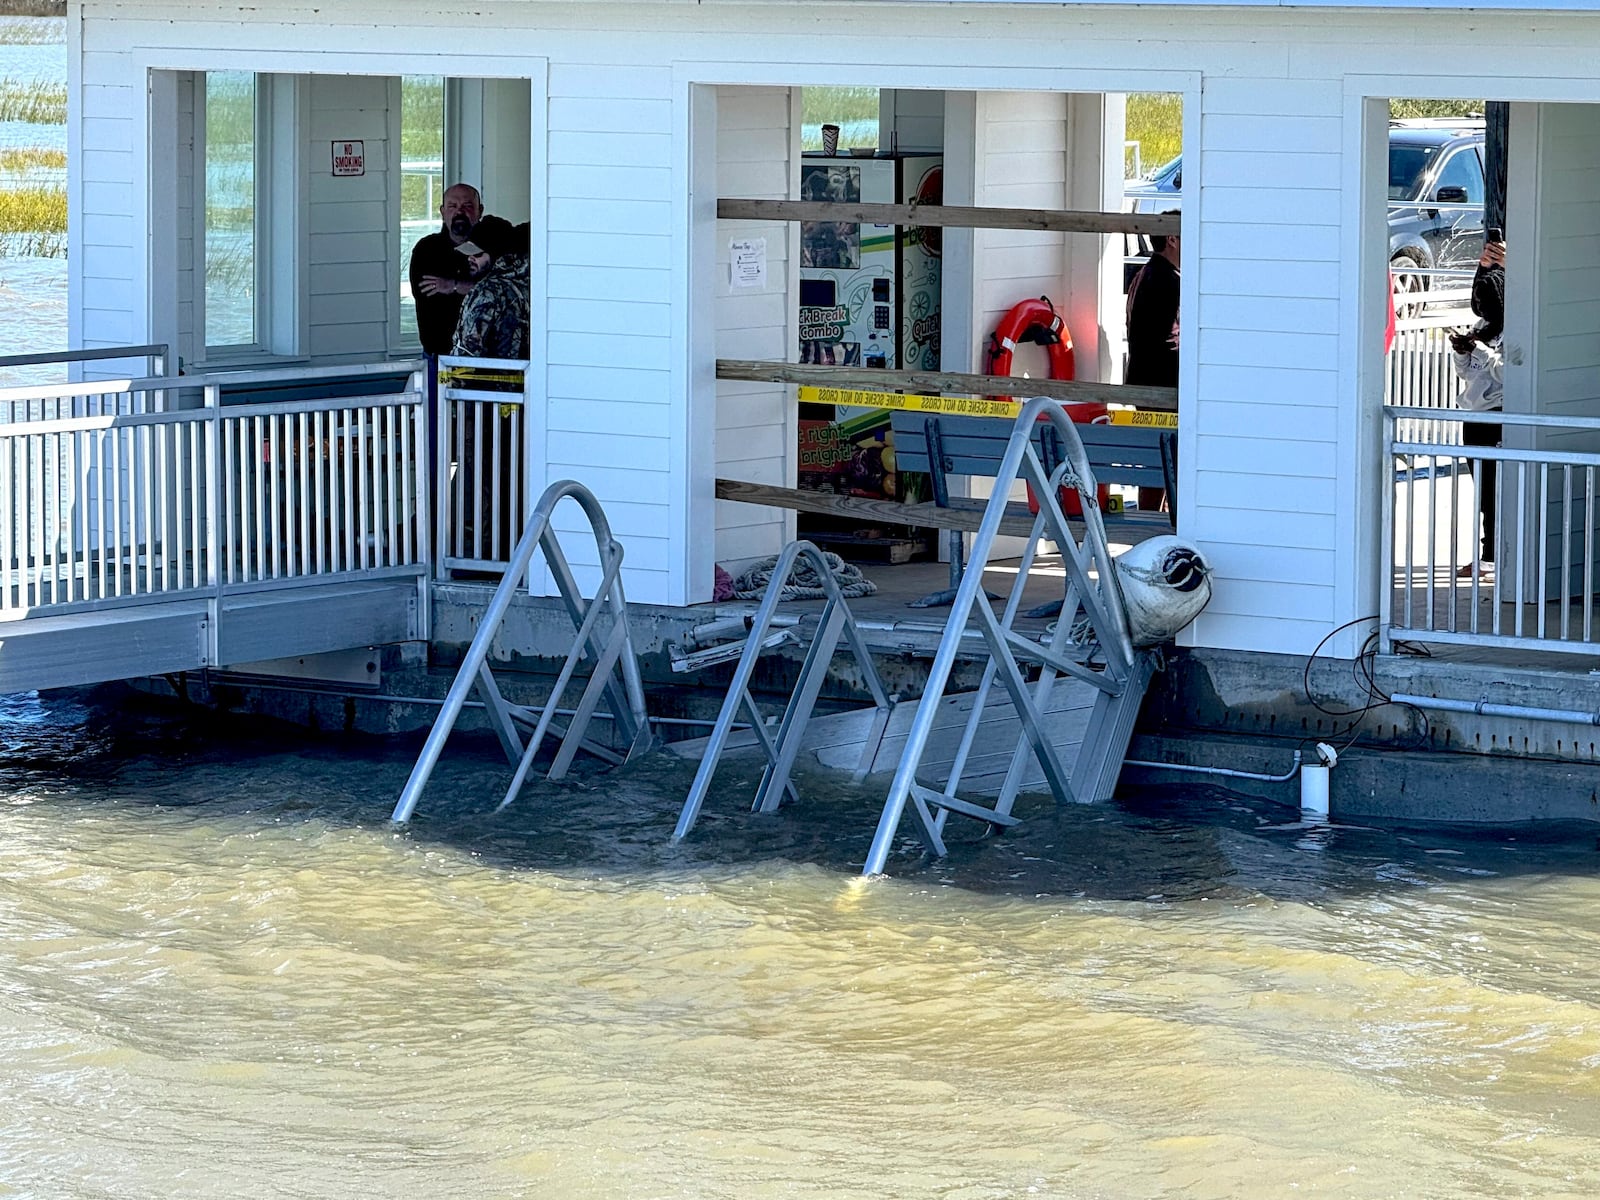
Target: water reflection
(224,970)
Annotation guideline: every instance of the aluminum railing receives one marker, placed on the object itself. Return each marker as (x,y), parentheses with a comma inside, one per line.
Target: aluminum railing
(131,504)
(1419,372)
(111,396)
(480,479)
(1536,587)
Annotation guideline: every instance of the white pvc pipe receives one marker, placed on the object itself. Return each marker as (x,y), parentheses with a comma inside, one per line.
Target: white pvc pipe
(1314,789)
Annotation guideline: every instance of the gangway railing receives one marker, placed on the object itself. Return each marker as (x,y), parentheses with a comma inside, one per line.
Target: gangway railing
(122,500)
(1097,654)
(835,622)
(614,672)
(480,470)
(113,395)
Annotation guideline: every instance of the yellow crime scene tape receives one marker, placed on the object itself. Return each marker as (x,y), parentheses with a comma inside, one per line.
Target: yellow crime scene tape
(455,375)
(970,406)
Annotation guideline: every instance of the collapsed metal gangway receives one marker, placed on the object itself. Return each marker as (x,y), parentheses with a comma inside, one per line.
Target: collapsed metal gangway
(1094,654)
(601,638)
(835,623)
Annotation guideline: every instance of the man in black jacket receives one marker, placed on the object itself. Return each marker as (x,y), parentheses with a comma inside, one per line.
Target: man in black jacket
(441,278)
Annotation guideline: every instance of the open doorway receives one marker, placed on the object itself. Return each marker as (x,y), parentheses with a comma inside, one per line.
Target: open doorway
(1493,379)
(840,293)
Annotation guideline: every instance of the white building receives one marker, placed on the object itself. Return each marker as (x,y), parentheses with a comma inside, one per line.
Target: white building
(613,128)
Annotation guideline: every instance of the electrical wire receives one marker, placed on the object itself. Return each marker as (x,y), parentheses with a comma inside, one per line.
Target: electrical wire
(1363,671)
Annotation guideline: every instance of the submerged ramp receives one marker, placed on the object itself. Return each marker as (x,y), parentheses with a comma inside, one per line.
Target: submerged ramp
(1089,662)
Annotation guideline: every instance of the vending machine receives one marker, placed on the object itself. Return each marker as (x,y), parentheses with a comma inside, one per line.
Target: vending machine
(869,297)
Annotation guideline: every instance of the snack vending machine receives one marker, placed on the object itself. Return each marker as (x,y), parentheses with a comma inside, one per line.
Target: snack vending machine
(869,297)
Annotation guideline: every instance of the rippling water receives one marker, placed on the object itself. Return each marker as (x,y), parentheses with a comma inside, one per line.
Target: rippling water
(223,973)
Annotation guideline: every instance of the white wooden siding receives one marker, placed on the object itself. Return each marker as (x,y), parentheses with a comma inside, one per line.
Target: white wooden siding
(349,220)
(756,423)
(1259,434)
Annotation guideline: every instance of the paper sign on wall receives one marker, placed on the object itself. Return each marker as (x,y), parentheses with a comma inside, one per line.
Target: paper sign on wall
(349,158)
(747,258)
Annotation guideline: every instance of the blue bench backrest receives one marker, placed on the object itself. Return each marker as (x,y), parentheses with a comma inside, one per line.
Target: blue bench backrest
(1121,454)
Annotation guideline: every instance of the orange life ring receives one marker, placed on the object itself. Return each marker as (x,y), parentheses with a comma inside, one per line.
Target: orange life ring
(1032,321)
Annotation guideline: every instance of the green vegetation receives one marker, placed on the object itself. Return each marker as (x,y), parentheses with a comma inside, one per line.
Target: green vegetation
(1399,109)
(853,109)
(33,222)
(1155,121)
(28,33)
(33,8)
(34,158)
(33,101)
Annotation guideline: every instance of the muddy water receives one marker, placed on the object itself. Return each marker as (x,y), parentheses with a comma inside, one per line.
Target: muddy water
(222,973)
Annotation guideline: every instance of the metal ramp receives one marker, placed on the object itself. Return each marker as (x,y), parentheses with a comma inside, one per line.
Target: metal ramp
(1017,733)
(614,672)
(836,622)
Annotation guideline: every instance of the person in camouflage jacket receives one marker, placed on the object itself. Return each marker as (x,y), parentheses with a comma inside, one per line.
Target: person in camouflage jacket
(494,317)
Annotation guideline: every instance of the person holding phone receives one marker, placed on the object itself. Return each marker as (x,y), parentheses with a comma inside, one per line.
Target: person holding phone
(1478,362)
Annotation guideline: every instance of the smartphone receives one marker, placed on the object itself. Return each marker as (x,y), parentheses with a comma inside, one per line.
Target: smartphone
(1494,234)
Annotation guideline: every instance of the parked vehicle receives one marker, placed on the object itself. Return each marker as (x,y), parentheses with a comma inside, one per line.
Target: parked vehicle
(1436,193)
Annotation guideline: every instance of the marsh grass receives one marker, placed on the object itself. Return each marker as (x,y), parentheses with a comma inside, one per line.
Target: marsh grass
(33,209)
(15,32)
(33,101)
(31,158)
(1155,121)
(33,222)
(33,8)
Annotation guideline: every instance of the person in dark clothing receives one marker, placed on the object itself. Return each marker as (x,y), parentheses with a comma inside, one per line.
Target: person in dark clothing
(1478,361)
(494,316)
(441,278)
(1153,331)
(1153,318)
(440,281)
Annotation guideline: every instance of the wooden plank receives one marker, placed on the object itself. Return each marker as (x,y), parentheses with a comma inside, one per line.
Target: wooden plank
(1158,398)
(920,516)
(1047,220)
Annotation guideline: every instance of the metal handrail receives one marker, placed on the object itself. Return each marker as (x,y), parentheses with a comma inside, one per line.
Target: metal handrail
(1091,583)
(613,656)
(157,352)
(835,622)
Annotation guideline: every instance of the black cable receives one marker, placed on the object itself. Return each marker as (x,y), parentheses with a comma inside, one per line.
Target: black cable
(1363,672)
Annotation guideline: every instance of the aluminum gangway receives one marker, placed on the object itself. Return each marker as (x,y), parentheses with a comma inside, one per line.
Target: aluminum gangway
(601,636)
(165,524)
(1068,726)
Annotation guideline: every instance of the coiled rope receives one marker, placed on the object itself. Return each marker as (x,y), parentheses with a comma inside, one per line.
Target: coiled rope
(804,583)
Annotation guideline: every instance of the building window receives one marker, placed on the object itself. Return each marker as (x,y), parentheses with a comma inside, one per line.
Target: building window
(421,179)
(249,201)
(230,231)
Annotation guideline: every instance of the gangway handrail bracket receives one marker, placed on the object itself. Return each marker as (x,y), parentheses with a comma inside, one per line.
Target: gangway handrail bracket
(615,676)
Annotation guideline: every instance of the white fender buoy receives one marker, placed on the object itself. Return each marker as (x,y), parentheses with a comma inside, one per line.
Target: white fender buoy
(1165,583)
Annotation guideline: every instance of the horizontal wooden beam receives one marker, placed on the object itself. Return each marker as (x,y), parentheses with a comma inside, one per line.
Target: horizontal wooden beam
(890,512)
(952,382)
(1048,220)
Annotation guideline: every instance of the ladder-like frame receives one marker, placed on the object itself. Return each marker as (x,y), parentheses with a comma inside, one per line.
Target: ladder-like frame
(1121,679)
(836,622)
(615,675)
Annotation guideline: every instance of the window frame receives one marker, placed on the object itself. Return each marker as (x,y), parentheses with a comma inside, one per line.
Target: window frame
(279,200)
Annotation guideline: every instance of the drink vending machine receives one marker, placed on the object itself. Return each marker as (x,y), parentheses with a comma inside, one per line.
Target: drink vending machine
(869,297)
